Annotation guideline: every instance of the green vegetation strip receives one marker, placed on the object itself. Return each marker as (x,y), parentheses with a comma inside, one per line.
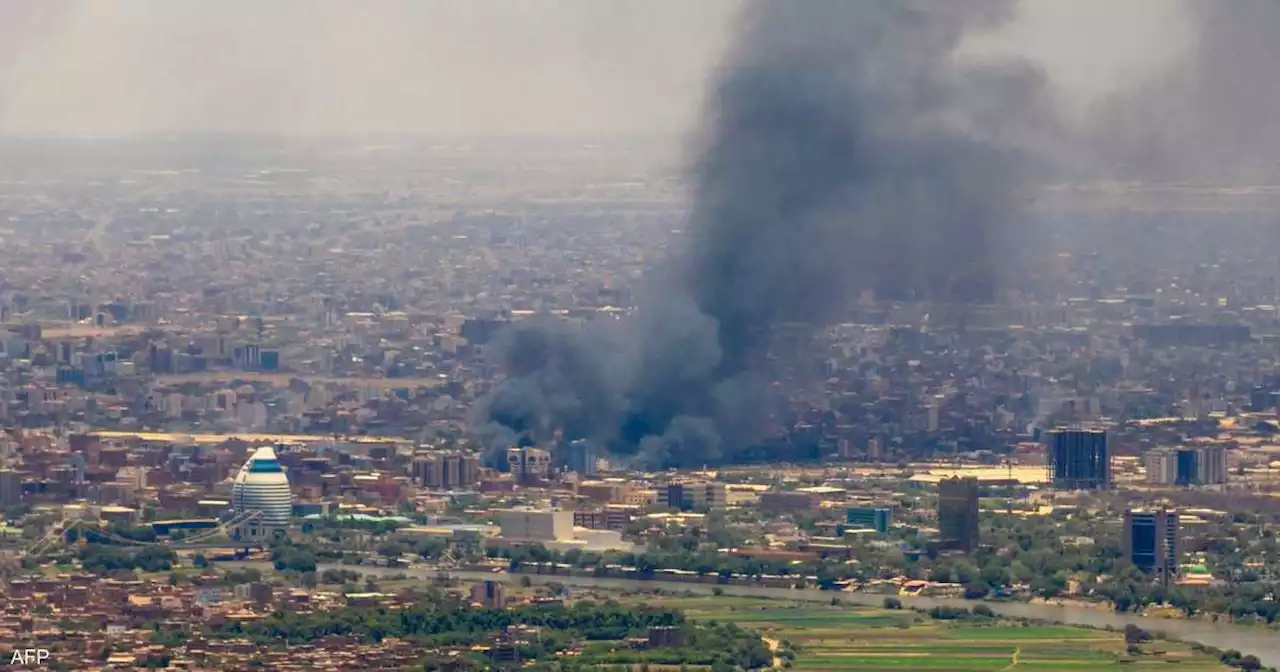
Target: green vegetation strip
(861,639)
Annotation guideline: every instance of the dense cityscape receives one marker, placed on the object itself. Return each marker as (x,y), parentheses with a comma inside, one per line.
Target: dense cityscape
(562,403)
(1041,450)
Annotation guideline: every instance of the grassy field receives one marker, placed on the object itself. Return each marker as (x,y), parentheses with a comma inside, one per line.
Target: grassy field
(875,640)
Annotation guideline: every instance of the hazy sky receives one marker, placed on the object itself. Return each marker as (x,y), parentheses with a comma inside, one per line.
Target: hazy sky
(447,66)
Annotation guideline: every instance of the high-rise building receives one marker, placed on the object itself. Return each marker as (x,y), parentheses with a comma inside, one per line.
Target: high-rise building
(10,487)
(262,485)
(875,448)
(428,470)
(529,464)
(958,514)
(1203,465)
(446,471)
(1162,467)
(671,495)
(1211,467)
(1188,460)
(452,470)
(580,456)
(1078,459)
(468,470)
(1151,542)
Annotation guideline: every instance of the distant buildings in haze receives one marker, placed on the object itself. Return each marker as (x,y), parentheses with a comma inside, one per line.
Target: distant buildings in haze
(1202,465)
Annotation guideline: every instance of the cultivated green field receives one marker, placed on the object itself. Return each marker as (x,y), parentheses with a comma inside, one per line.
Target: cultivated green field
(859,639)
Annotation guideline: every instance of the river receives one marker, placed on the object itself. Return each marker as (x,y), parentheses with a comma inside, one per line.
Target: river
(1255,640)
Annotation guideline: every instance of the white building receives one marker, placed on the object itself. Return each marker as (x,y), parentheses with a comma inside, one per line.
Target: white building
(542,525)
(554,530)
(261,485)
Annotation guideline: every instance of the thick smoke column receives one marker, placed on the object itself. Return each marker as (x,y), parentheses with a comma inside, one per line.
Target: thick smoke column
(1213,115)
(846,148)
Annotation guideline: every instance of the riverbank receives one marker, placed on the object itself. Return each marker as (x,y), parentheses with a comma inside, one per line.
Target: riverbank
(1248,640)
(874,639)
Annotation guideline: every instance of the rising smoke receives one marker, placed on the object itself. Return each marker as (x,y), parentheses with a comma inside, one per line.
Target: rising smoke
(846,147)
(1213,115)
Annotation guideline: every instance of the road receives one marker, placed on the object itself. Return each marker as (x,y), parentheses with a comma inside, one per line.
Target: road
(1255,640)
(773,645)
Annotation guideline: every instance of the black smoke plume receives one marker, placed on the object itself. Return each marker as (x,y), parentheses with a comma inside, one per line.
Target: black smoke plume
(1213,115)
(847,147)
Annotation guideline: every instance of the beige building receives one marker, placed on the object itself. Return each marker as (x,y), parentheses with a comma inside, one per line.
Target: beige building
(528,524)
(554,529)
(529,464)
(611,491)
(693,495)
(1162,467)
(446,470)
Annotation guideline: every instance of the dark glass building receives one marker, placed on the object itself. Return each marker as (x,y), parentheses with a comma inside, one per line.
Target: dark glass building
(1151,542)
(1078,459)
(580,456)
(958,514)
(870,518)
(1188,467)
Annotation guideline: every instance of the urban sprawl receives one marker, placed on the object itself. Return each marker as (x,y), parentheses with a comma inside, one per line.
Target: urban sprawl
(238,402)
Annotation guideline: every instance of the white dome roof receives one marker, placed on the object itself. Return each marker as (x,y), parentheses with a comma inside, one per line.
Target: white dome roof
(262,485)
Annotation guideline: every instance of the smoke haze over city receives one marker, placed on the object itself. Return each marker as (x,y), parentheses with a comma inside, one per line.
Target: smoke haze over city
(441,334)
(434,66)
(833,147)
(845,149)
(1211,115)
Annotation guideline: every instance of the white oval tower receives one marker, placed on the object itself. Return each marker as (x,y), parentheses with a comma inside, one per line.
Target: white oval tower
(263,486)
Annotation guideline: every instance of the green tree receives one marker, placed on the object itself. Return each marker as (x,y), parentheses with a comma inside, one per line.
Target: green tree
(976,590)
